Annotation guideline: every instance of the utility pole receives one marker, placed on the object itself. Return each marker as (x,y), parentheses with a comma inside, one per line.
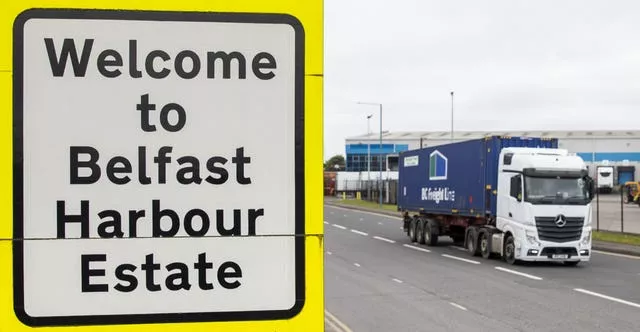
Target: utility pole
(368,157)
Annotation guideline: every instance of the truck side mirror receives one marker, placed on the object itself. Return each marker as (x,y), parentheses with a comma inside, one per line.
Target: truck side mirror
(590,187)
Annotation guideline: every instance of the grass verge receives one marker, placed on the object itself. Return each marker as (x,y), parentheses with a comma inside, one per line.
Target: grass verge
(614,237)
(367,204)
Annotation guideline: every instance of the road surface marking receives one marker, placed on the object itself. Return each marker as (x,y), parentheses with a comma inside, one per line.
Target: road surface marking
(458,306)
(379,223)
(607,297)
(333,327)
(326,223)
(360,211)
(615,254)
(339,226)
(458,248)
(359,232)
(344,215)
(356,264)
(383,239)
(461,259)
(328,252)
(416,248)
(518,273)
(334,319)
(397,280)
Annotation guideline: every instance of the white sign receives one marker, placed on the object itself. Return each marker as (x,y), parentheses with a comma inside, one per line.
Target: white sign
(161,167)
(411,161)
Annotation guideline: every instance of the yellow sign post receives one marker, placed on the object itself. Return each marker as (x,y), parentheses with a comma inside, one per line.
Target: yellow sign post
(162,166)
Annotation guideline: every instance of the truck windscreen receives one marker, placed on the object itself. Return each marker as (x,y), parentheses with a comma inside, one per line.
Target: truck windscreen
(555,190)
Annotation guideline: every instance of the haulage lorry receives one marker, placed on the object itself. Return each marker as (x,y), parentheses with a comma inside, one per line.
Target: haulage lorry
(517,198)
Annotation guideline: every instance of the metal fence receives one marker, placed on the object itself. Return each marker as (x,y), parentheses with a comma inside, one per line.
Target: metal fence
(369,190)
(613,212)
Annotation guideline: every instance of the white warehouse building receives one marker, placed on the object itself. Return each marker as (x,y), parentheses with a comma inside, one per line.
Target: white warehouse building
(620,149)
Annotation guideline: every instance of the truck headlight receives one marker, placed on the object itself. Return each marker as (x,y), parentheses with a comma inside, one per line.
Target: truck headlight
(531,238)
(586,239)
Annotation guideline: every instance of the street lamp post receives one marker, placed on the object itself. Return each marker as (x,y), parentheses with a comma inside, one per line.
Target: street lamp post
(451,116)
(380,154)
(368,157)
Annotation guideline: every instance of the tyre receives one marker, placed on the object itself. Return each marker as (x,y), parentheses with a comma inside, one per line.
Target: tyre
(472,246)
(412,230)
(420,231)
(430,236)
(485,250)
(571,263)
(509,252)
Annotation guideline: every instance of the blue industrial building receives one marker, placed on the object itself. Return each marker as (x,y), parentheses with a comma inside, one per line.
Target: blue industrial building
(620,149)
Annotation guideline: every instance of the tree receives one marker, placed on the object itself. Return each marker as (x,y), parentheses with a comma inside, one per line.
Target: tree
(330,165)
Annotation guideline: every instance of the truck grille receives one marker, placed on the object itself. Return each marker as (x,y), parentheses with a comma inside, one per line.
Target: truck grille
(548,230)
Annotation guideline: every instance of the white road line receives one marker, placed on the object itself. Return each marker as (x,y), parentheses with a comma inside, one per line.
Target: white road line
(326,223)
(359,232)
(383,239)
(344,215)
(416,248)
(460,259)
(339,226)
(379,223)
(334,327)
(607,297)
(397,280)
(361,219)
(458,306)
(356,264)
(518,273)
(328,252)
(458,248)
(342,326)
(617,255)
(366,212)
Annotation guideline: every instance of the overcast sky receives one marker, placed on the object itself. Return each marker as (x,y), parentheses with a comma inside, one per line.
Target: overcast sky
(513,64)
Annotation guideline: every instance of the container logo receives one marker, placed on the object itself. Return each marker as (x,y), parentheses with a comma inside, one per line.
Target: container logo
(438,194)
(438,164)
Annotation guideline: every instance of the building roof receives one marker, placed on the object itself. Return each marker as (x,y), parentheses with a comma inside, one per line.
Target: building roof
(443,135)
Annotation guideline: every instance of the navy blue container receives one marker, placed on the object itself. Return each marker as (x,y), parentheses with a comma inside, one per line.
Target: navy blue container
(457,178)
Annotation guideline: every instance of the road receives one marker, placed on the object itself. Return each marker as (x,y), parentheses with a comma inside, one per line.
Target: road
(376,280)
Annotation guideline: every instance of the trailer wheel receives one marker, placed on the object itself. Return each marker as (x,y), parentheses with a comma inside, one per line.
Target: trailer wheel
(472,242)
(485,249)
(430,237)
(509,251)
(412,229)
(420,231)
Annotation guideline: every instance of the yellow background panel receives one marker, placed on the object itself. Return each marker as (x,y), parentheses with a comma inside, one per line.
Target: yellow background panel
(310,13)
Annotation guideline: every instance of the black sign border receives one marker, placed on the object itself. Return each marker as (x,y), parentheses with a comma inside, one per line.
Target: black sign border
(18,165)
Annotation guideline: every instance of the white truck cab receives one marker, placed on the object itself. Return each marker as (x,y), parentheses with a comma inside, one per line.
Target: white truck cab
(543,208)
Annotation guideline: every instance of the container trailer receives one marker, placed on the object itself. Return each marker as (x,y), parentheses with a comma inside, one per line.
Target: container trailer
(517,198)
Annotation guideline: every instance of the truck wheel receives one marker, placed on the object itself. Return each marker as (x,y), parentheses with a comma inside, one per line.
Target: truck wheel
(485,251)
(509,252)
(430,237)
(420,231)
(412,230)
(472,246)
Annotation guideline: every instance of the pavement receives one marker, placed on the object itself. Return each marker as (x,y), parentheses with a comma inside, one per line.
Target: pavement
(377,280)
(596,245)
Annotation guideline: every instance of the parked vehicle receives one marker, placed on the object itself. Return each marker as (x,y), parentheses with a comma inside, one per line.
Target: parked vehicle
(604,179)
(522,199)
(631,192)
